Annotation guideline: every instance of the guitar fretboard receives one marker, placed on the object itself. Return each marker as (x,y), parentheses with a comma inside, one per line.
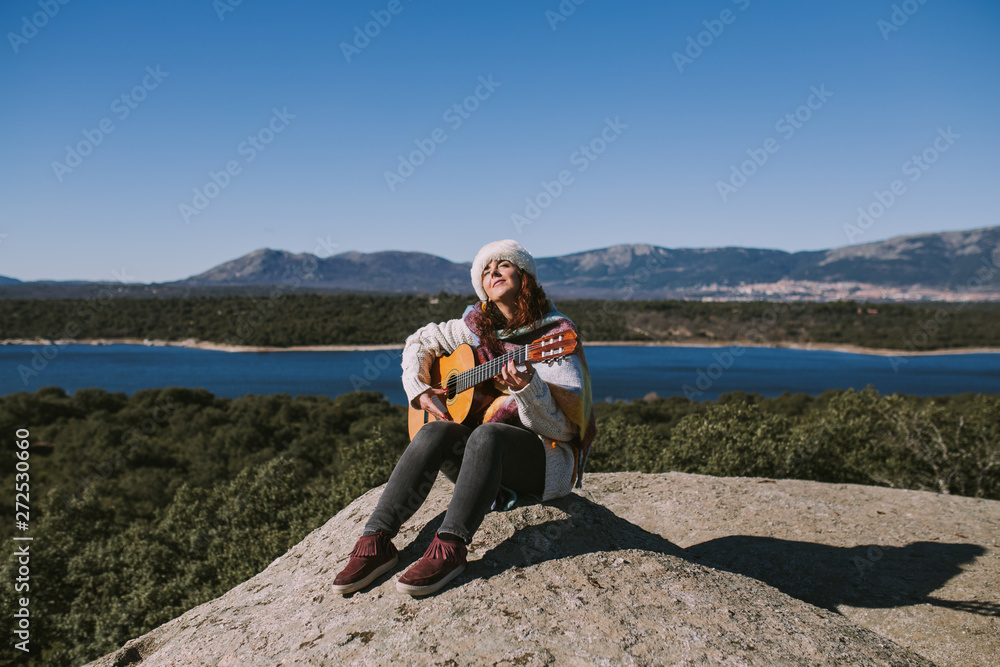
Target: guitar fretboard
(544,350)
(483,372)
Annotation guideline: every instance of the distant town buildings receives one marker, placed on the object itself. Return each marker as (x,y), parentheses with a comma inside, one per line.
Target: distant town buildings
(808,290)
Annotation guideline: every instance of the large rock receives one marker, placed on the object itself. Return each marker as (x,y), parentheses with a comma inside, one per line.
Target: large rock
(770,573)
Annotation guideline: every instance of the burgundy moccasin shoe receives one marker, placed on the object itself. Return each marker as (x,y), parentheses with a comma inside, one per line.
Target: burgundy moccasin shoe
(443,561)
(373,556)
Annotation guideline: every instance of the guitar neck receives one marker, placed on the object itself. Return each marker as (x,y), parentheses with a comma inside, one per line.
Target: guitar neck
(484,372)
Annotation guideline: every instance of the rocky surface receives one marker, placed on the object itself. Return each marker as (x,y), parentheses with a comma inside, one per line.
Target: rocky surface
(636,569)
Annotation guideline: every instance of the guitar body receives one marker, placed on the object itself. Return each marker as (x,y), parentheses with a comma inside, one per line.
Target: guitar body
(466,402)
(472,401)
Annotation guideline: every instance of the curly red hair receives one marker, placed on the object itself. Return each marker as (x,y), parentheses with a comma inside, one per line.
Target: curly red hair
(529,307)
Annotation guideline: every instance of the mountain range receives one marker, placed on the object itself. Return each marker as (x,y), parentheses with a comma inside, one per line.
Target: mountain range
(939,263)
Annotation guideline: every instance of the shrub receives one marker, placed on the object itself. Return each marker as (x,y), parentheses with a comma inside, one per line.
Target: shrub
(731,440)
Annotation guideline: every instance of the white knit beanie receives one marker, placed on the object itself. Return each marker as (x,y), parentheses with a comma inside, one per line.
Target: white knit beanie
(510,250)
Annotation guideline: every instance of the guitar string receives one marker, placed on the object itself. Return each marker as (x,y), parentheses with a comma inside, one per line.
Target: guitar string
(479,373)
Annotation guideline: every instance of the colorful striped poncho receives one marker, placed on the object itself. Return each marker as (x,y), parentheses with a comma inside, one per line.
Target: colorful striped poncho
(576,403)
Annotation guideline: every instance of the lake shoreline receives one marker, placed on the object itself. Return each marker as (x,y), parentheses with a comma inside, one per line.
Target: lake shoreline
(221,347)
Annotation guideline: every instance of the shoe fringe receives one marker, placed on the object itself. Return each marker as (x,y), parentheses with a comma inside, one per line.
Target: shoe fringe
(366,547)
(441,550)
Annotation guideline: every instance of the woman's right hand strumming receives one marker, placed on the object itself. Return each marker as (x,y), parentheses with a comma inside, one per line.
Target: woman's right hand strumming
(427,402)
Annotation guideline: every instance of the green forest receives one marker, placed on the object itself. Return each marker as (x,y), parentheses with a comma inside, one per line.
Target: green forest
(285,319)
(147,505)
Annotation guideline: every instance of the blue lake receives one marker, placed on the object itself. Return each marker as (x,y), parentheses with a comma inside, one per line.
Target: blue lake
(618,372)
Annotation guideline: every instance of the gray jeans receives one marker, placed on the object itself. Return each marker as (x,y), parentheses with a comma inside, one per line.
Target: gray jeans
(477,460)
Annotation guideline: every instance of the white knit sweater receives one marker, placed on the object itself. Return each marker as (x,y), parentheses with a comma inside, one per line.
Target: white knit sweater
(537,409)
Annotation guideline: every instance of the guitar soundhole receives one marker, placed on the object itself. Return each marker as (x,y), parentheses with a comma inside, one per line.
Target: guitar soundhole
(452,386)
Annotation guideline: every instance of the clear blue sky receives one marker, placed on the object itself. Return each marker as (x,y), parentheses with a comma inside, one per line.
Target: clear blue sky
(320,185)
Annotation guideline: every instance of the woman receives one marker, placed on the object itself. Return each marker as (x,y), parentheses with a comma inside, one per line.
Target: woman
(533,438)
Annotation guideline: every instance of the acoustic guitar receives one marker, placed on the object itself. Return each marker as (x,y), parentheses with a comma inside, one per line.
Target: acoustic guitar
(459,374)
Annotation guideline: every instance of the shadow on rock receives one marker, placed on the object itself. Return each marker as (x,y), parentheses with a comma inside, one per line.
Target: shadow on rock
(588,528)
(870,576)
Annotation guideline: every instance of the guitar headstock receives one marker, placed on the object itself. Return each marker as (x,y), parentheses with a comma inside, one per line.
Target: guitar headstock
(550,348)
